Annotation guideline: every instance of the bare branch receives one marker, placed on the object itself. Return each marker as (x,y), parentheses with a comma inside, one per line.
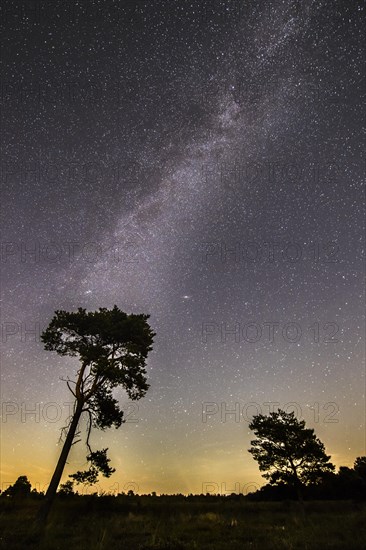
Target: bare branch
(68,379)
(68,385)
(65,428)
(90,422)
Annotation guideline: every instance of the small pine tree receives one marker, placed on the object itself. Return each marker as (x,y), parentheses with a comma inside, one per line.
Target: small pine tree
(287,451)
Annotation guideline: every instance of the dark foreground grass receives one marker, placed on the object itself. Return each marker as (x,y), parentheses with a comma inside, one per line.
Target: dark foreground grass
(165,523)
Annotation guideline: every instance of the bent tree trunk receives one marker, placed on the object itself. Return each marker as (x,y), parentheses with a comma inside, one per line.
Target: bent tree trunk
(52,488)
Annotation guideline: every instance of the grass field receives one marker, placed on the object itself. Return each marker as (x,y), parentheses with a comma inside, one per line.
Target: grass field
(144,523)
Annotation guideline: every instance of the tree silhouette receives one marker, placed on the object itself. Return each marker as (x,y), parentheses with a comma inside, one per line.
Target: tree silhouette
(67,488)
(21,488)
(360,467)
(112,347)
(287,451)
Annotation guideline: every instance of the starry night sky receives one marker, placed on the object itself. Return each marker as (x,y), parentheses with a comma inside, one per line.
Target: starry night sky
(200,162)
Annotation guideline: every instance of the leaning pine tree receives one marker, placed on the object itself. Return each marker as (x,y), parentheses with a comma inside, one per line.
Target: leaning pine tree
(112,348)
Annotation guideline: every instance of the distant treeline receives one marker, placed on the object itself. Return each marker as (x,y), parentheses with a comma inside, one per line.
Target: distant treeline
(347,484)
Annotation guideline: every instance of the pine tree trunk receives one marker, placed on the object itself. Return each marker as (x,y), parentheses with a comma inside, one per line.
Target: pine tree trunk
(300,497)
(299,491)
(52,488)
